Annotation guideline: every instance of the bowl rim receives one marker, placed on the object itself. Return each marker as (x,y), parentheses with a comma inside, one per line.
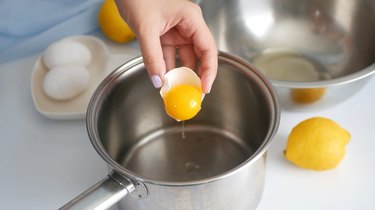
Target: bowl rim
(350,78)
(342,80)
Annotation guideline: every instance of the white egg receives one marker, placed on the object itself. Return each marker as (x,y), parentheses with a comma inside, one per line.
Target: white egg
(65,82)
(66,52)
(178,76)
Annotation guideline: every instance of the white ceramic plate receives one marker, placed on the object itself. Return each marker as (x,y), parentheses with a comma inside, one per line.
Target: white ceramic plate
(102,63)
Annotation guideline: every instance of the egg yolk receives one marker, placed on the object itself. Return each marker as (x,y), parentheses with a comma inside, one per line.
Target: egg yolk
(183,102)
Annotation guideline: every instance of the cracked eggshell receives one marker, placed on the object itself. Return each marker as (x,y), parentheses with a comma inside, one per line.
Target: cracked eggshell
(178,76)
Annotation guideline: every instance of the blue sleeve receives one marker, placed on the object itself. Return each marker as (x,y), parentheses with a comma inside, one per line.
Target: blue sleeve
(29,26)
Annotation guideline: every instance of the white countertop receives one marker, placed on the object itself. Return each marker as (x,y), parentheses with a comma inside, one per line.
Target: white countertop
(44,163)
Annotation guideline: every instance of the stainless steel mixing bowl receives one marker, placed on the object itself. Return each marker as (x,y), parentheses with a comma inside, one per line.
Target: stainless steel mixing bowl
(317,53)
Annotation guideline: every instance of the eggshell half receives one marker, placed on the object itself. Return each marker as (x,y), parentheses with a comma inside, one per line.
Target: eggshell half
(178,76)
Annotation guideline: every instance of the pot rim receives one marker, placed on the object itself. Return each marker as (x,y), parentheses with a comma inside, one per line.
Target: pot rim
(92,115)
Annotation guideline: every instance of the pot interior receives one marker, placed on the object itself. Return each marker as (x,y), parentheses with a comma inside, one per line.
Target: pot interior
(185,153)
(130,129)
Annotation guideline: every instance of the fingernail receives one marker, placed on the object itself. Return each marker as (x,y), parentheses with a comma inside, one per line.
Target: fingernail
(156,81)
(206,90)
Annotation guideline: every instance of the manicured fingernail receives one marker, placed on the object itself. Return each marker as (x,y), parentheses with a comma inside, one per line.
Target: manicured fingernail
(156,81)
(206,90)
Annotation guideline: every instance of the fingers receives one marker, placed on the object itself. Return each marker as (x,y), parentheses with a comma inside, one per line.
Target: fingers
(166,27)
(204,45)
(187,56)
(153,58)
(186,53)
(194,40)
(169,52)
(207,52)
(208,70)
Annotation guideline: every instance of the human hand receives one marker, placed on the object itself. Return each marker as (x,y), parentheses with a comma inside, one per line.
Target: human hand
(163,27)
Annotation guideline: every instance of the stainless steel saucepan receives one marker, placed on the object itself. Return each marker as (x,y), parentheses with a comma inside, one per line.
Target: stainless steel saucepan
(215,161)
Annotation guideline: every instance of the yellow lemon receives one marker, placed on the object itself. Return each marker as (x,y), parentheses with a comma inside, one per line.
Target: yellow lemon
(307,95)
(183,102)
(111,23)
(317,143)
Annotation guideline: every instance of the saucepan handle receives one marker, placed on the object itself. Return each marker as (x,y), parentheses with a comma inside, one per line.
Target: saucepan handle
(103,194)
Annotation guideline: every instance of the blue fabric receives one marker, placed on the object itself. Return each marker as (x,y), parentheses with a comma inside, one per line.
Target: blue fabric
(29,26)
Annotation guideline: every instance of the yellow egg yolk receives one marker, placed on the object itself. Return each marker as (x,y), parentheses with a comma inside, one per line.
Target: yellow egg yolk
(183,102)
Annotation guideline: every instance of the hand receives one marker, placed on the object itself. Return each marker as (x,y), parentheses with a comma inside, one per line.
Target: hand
(163,27)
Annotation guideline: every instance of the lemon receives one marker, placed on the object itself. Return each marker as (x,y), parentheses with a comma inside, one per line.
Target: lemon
(307,95)
(317,143)
(111,23)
